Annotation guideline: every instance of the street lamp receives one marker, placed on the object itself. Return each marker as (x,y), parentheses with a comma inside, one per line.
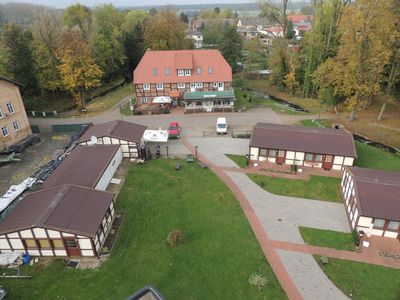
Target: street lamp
(166,148)
(120,111)
(195,149)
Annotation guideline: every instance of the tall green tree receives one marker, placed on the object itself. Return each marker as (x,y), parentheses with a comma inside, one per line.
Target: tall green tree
(80,16)
(231,46)
(133,37)
(107,36)
(184,17)
(165,31)
(16,44)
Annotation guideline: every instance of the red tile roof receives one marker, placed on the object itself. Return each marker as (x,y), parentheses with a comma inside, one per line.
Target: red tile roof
(300,18)
(298,138)
(116,129)
(377,193)
(68,208)
(175,59)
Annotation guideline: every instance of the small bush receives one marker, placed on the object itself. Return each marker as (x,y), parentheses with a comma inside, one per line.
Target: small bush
(258,281)
(356,237)
(175,237)
(324,260)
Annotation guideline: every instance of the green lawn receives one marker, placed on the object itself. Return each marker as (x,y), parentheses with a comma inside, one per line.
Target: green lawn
(363,281)
(219,254)
(323,123)
(246,99)
(317,187)
(371,157)
(110,99)
(240,160)
(328,238)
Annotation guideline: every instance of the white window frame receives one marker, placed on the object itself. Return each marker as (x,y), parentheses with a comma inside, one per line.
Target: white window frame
(1,114)
(181,85)
(144,99)
(159,86)
(167,71)
(4,131)
(154,72)
(193,86)
(181,72)
(188,72)
(199,85)
(210,70)
(146,86)
(10,108)
(16,126)
(198,70)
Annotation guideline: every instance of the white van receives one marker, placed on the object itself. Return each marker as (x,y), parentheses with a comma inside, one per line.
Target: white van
(222,126)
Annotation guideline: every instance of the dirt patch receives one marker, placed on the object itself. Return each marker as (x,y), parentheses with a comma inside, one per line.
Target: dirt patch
(35,156)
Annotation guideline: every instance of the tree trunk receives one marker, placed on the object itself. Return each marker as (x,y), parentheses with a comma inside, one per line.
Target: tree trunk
(83,102)
(353,112)
(381,112)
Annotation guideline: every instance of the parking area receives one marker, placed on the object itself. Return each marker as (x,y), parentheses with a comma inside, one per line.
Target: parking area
(50,147)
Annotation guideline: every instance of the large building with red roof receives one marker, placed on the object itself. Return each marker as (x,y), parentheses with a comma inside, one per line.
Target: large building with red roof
(200,79)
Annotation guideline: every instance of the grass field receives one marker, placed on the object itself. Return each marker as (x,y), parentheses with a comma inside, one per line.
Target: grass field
(317,187)
(371,157)
(247,99)
(219,254)
(328,238)
(240,160)
(323,123)
(110,99)
(363,281)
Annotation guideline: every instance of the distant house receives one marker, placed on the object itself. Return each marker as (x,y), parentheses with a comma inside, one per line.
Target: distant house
(92,167)
(300,18)
(197,38)
(127,135)
(65,220)
(177,73)
(372,200)
(309,147)
(252,22)
(14,124)
(197,24)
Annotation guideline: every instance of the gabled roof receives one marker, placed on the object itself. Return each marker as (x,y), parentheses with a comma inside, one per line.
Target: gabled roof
(377,193)
(187,59)
(300,18)
(84,166)
(304,139)
(68,208)
(116,129)
(11,81)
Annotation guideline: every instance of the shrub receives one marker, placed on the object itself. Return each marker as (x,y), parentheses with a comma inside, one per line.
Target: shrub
(175,237)
(258,281)
(356,237)
(324,260)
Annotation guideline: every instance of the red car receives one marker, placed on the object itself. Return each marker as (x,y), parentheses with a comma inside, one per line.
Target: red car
(174,131)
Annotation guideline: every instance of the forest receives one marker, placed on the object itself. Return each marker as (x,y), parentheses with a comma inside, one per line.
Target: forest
(350,57)
(55,52)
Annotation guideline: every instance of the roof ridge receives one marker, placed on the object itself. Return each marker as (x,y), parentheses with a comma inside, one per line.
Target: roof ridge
(64,189)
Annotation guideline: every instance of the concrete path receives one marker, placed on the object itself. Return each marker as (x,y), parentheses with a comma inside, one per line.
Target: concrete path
(311,283)
(281,216)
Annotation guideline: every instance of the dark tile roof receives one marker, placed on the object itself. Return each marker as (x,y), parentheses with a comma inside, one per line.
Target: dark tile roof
(117,129)
(69,208)
(84,166)
(297,138)
(377,193)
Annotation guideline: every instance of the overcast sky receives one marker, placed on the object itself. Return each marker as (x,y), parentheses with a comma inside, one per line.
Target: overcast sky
(64,3)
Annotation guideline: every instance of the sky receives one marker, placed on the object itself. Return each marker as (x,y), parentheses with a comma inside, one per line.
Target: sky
(64,3)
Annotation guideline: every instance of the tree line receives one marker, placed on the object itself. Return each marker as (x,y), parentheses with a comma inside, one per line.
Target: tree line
(82,48)
(350,56)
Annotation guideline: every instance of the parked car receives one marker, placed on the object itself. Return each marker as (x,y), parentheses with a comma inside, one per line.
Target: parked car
(174,130)
(222,126)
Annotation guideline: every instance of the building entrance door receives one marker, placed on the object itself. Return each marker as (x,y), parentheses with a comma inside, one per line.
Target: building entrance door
(72,247)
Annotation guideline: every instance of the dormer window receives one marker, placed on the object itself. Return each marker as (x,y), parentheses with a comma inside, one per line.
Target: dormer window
(198,71)
(167,71)
(210,70)
(184,72)
(154,71)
